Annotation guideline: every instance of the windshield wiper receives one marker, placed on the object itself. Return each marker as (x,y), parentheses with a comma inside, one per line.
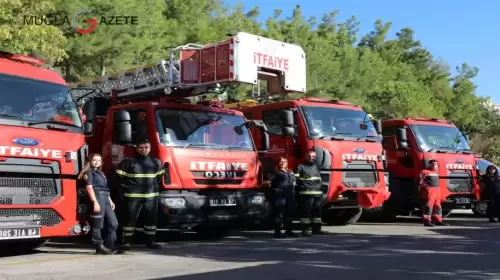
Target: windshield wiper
(53,127)
(437,149)
(204,145)
(11,116)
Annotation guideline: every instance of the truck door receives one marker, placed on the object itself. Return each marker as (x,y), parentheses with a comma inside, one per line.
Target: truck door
(279,145)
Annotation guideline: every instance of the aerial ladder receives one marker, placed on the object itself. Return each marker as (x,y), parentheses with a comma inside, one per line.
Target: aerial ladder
(194,70)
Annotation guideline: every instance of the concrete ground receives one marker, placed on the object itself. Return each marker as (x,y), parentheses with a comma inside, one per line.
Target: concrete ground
(467,249)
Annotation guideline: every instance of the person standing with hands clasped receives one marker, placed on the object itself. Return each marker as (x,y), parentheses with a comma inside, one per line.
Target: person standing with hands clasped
(103,215)
(310,195)
(491,192)
(140,177)
(282,198)
(430,188)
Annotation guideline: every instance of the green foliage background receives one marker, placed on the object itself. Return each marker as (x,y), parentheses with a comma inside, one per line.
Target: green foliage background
(389,78)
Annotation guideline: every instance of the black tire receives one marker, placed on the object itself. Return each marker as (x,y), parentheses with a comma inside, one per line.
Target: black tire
(341,217)
(478,213)
(211,232)
(386,213)
(447,213)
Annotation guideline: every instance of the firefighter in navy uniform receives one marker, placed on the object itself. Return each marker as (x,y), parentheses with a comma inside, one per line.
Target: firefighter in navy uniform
(282,197)
(140,177)
(310,196)
(432,212)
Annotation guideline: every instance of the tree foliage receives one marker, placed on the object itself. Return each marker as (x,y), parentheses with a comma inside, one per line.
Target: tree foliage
(388,77)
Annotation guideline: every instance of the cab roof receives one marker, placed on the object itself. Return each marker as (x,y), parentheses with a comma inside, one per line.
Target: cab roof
(26,67)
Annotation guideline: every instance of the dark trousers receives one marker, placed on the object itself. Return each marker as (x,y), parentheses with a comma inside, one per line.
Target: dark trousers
(310,210)
(131,209)
(105,218)
(493,210)
(283,211)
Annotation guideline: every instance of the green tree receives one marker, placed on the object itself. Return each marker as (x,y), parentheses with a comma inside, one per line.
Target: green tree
(20,34)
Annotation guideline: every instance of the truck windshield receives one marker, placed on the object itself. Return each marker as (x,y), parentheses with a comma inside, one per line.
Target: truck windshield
(435,137)
(36,101)
(323,122)
(210,130)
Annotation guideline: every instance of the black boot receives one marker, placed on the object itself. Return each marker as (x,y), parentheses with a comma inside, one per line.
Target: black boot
(428,224)
(290,233)
(102,250)
(153,245)
(442,224)
(126,246)
(319,231)
(492,220)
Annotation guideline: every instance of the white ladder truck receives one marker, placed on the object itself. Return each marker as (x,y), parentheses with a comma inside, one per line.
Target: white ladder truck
(213,176)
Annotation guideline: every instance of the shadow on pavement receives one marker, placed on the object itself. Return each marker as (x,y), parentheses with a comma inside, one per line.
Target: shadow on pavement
(442,253)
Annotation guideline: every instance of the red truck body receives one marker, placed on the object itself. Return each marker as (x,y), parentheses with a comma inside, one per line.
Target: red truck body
(211,181)
(42,149)
(350,157)
(410,143)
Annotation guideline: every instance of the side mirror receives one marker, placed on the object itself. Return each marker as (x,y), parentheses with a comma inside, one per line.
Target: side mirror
(402,139)
(89,110)
(265,142)
(288,118)
(87,128)
(238,130)
(378,126)
(288,131)
(123,127)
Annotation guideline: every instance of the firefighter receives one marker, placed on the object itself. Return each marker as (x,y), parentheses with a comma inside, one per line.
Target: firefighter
(103,216)
(430,188)
(140,178)
(283,200)
(310,196)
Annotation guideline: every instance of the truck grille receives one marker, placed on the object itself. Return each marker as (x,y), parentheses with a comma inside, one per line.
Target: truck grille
(30,217)
(459,181)
(362,175)
(27,190)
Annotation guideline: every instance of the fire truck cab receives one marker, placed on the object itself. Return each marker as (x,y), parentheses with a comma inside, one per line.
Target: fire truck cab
(213,176)
(410,144)
(347,145)
(39,197)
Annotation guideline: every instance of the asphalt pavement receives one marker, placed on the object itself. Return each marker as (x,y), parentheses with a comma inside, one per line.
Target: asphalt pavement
(467,249)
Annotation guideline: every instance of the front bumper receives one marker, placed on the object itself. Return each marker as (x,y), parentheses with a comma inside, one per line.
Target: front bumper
(189,209)
(460,201)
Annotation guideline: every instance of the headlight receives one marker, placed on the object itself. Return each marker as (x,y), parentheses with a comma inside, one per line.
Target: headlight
(177,202)
(258,199)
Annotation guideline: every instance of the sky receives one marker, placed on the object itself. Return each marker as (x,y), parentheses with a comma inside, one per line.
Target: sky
(456,31)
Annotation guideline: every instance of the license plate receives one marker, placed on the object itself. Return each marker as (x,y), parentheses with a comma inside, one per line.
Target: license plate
(462,200)
(222,201)
(19,233)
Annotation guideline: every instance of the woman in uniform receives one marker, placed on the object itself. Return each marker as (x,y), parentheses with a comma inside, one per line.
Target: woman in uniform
(283,199)
(103,215)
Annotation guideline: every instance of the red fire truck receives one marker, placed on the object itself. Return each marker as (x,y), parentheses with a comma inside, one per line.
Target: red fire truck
(213,175)
(347,145)
(409,144)
(42,149)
